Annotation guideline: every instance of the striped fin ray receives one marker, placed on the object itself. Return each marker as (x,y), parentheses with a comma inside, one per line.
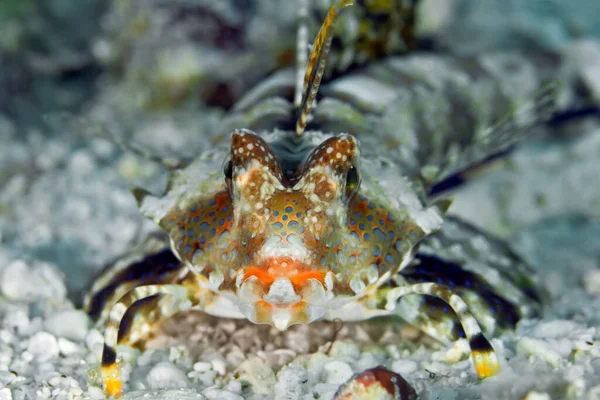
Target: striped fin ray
(316,63)
(493,142)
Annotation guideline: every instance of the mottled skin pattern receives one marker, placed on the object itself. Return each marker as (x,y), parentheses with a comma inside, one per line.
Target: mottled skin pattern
(293,229)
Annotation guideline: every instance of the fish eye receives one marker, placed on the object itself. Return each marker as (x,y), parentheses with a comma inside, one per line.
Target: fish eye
(352,182)
(228,169)
(228,172)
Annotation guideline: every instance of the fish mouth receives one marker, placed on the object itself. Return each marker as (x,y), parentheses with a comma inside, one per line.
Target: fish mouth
(282,302)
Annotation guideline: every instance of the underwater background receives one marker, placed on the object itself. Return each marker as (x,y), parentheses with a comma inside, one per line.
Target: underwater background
(92,90)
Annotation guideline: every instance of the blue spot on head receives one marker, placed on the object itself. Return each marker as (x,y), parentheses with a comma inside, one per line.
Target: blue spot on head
(381,222)
(376,252)
(352,221)
(229,218)
(202,240)
(213,232)
(285,218)
(391,218)
(433,307)
(225,209)
(190,233)
(289,209)
(278,225)
(445,309)
(292,224)
(275,213)
(371,206)
(188,249)
(298,214)
(212,213)
(212,202)
(388,258)
(367,236)
(392,234)
(370,218)
(222,222)
(379,233)
(204,225)
(196,218)
(194,208)
(361,227)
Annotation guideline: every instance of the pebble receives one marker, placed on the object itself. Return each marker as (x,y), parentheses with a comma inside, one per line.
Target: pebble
(535,347)
(234,386)
(259,374)
(219,366)
(533,395)
(43,346)
(591,282)
(165,375)
(216,394)
(337,372)
(343,349)
(69,324)
(555,329)
(202,366)
(292,382)
(6,378)
(404,367)
(96,393)
(21,282)
(5,394)
(68,347)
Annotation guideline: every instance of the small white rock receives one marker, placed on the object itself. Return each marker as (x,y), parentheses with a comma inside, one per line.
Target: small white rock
(404,367)
(216,394)
(202,366)
(43,346)
(591,282)
(337,372)
(533,395)
(96,393)
(234,386)
(165,375)
(292,383)
(68,347)
(539,348)
(20,282)
(5,394)
(342,349)
(70,324)
(219,366)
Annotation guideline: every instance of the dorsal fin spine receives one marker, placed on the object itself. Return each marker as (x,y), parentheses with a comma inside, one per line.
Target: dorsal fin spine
(318,58)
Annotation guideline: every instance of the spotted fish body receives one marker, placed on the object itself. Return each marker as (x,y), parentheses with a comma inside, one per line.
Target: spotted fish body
(340,222)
